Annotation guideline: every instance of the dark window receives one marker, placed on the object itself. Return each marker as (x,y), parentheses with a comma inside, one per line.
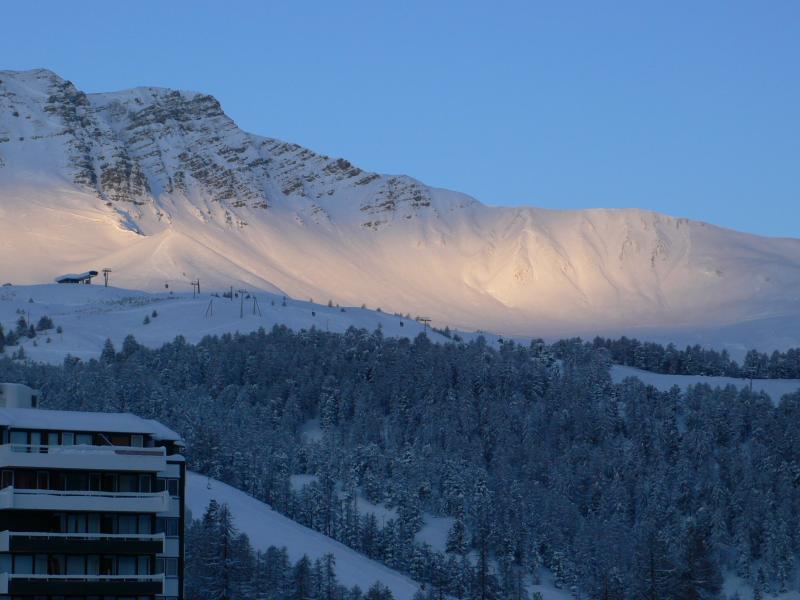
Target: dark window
(58,481)
(7,479)
(109,482)
(25,480)
(117,439)
(128,483)
(77,482)
(43,480)
(167,526)
(106,565)
(107,524)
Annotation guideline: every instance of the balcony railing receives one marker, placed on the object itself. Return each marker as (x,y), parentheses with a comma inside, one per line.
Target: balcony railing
(11,583)
(24,499)
(21,541)
(123,458)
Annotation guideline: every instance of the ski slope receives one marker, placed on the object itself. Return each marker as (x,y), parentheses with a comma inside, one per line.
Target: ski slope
(90,314)
(265,528)
(774,388)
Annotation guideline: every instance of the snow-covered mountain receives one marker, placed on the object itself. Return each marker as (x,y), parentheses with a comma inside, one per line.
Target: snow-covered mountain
(162,186)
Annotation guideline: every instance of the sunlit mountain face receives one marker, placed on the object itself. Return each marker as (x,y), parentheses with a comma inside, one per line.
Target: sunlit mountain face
(162,186)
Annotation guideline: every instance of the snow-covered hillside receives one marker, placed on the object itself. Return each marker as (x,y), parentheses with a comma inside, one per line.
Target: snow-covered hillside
(161,185)
(266,528)
(90,314)
(774,388)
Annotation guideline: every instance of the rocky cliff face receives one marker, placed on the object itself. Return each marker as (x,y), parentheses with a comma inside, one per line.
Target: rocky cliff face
(163,186)
(136,149)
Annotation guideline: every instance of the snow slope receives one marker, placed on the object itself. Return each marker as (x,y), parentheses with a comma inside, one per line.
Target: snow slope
(161,185)
(265,528)
(90,314)
(774,388)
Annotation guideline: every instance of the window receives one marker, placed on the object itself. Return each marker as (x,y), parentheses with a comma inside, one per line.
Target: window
(94,523)
(93,564)
(77,482)
(107,524)
(145,483)
(40,564)
(42,480)
(19,438)
(128,483)
(7,478)
(5,563)
(127,565)
(58,481)
(168,526)
(145,524)
(172,486)
(76,523)
(68,438)
(36,440)
(127,524)
(52,438)
(23,564)
(143,568)
(109,482)
(159,566)
(25,480)
(107,565)
(83,439)
(171,567)
(56,564)
(76,565)
(118,439)
(137,440)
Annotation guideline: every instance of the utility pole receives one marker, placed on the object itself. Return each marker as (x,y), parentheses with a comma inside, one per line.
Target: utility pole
(241,306)
(424,321)
(106,273)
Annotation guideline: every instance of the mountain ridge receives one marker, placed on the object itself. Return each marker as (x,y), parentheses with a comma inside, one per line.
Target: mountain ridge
(161,185)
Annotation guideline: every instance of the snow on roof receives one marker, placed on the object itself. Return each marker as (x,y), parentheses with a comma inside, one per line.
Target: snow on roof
(67,420)
(76,276)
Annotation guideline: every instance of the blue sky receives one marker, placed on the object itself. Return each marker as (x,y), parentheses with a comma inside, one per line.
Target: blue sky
(690,108)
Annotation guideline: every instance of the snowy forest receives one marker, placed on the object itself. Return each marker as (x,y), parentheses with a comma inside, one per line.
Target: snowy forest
(696,360)
(221,564)
(621,491)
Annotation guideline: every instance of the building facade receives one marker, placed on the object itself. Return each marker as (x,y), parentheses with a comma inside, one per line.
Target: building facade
(91,504)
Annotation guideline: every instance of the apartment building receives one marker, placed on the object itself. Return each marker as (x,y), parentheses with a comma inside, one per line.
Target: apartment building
(91,504)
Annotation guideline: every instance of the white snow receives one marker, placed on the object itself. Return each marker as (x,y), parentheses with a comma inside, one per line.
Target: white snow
(733,585)
(265,528)
(68,420)
(298,481)
(311,431)
(332,231)
(434,531)
(90,314)
(774,388)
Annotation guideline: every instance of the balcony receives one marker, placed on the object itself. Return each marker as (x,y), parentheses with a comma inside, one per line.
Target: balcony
(84,457)
(81,543)
(81,585)
(138,502)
